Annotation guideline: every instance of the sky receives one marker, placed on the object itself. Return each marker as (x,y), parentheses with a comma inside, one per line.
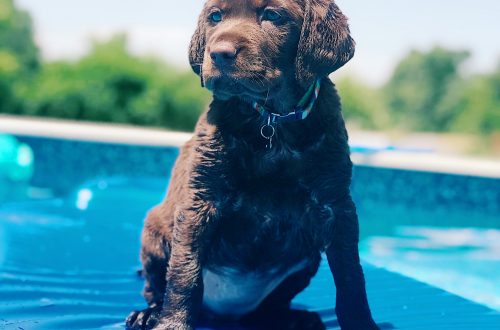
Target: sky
(385,30)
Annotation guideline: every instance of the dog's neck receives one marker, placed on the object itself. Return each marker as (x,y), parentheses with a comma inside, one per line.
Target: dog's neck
(299,112)
(237,119)
(282,99)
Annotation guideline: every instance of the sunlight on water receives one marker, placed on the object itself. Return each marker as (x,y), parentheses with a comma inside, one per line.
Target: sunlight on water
(464,261)
(83,199)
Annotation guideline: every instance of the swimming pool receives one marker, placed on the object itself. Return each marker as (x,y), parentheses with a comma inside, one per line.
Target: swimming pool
(68,254)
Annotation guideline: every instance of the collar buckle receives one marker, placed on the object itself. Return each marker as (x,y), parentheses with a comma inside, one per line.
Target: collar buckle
(301,112)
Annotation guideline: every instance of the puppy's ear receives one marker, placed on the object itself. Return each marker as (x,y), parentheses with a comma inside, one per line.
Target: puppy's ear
(197,46)
(325,42)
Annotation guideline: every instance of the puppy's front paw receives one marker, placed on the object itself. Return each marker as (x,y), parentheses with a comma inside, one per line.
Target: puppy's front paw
(145,319)
(153,318)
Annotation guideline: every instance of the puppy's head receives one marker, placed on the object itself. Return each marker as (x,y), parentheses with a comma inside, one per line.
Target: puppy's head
(251,47)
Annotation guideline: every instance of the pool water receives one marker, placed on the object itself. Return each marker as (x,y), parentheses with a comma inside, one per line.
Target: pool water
(70,263)
(69,253)
(458,251)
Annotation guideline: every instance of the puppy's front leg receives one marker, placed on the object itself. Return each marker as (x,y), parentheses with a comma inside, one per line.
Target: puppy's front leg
(352,308)
(184,289)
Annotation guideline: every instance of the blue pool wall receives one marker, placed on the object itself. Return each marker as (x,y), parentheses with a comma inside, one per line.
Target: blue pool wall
(61,165)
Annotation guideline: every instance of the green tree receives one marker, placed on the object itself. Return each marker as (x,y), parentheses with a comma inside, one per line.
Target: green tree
(111,85)
(19,56)
(362,105)
(418,85)
(16,36)
(475,104)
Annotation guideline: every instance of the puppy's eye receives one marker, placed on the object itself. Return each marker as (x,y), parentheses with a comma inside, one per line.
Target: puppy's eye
(215,16)
(271,15)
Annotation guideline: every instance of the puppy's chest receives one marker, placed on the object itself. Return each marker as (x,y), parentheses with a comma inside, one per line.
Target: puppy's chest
(263,227)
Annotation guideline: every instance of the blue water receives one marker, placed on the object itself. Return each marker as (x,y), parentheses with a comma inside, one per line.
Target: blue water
(70,263)
(452,250)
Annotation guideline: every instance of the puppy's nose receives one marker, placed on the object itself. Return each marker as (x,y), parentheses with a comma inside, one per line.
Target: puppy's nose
(223,54)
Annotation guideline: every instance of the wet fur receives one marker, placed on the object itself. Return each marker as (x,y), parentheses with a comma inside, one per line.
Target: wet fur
(234,204)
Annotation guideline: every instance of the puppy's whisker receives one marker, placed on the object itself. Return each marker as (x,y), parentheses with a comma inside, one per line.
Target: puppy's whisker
(267,97)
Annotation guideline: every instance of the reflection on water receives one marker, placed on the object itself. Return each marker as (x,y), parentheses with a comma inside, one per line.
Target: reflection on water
(464,261)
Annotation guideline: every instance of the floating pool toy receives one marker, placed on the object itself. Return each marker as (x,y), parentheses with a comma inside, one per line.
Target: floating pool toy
(16,165)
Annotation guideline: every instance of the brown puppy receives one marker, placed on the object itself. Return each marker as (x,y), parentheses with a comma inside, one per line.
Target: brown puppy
(256,196)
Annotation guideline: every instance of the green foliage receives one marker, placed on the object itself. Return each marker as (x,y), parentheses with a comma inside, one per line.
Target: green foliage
(16,37)
(110,85)
(427,90)
(362,105)
(474,104)
(419,84)
(18,54)
(107,85)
